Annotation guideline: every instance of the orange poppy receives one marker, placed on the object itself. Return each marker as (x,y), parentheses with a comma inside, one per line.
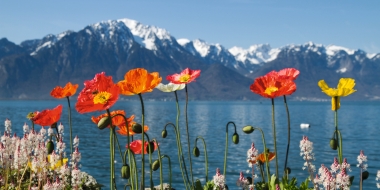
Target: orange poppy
(62,92)
(273,85)
(138,81)
(47,117)
(116,120)
(98,94)
(185,77)
(123,129)
(135,146)
(261,157)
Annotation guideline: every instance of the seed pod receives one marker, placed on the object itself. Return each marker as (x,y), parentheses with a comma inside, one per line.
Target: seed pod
(333,144)
(150,147)
(125,171)
(156,165)
(137,128)
(235,138)
(196,151)
(104,122)
(50,147)
(164,133)
(248,129)
(365,175)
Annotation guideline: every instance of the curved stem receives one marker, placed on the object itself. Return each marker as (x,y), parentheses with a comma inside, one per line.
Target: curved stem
(142,147)
(265,154)
(111,154)
(205,151)
(71,136)
(159,160)
(149,150)
(287,147)
(274,137)
(188,138)
(170,169)
(226,147)
(117,140)
(181,159)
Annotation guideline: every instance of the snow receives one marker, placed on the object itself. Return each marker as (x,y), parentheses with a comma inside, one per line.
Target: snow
(202,47)
(183,41)
(331,50)
(255,54)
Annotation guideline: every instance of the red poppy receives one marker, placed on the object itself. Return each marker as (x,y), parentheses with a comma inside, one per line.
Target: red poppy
(62,92)
(185,77)
(116,120)
(98,94)
(275,84)
(135,146)
(47,117)
(123,128)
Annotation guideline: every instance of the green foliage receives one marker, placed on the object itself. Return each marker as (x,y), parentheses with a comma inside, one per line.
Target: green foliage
(284,184)
(209,185)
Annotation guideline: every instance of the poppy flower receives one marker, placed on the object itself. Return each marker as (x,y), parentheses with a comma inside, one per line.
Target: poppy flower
(138,81)
(135,146)
(47,117)
(290,73)
(261,157)
(345,88)
(116,120)
(98,94)
(273,85)
(62,92)
(170,87)
(123,128)
(185,77)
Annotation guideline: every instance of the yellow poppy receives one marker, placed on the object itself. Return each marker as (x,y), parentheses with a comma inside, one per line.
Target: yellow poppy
(345,88)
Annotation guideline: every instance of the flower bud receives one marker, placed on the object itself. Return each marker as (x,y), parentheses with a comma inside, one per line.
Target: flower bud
(196,151)
(248,129)
(125,171)
(198,184)
(249,180)
(50,147)
(333,144)
(235,138)
(104,122)
(365,175)
(164,133)
(137,128)
(150,147)
(156,165)
(288,170)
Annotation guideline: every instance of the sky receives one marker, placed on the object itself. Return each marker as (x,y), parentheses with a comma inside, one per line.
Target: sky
(352,24)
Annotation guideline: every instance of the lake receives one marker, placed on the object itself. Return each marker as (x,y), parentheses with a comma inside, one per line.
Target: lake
(358,123)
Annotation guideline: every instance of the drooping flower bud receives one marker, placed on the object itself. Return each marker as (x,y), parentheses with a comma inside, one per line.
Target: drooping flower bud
(365,175)
(196,151)
(235,138)
(104,122)
(125,171)
(333,144)
(156,165)
(248,129)
(150,147)
(137,128)
(164,133)
(50,147)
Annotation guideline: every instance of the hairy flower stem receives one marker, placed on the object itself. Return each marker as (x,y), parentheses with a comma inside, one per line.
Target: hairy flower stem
(112,154)
(71,136)
(287,148)
(337,132)
(179,144)
(226,147)
(142,187)
(188,138)
(274,137)
(205,151)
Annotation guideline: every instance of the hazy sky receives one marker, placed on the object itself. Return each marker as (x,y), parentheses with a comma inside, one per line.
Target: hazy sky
(351,23)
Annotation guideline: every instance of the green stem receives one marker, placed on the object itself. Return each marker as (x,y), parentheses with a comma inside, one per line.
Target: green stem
(111,154)
(71,136)
(226,148)
(179,145)
(149,150)
(142,187)
(287,148)
(274,137)
(188,138)
(170,169)
(340,149)
(265,153)
(206,157)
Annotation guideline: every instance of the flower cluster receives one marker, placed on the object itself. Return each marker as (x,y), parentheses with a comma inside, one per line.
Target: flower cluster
(219,181)
(334,179)
(306,147)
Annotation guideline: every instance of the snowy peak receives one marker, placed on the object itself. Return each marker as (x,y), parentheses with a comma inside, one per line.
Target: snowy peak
(256,54)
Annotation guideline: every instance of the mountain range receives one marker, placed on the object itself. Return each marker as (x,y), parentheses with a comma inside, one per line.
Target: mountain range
(31,69)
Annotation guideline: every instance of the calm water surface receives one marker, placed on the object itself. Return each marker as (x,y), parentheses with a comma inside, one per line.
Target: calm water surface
(358,122)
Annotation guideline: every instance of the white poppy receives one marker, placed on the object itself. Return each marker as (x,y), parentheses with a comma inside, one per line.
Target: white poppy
(170,87)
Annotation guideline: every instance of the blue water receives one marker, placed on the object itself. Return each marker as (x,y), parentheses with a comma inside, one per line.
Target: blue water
(358,122)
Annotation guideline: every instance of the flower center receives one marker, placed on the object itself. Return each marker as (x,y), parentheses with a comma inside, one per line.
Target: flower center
(271,89)
(184,78)
(102,97)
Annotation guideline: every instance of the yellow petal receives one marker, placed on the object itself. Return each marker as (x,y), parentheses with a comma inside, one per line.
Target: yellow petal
(326,89)
(346,86)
